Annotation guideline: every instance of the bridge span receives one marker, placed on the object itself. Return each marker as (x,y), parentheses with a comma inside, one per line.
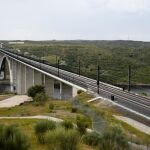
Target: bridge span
(25,72)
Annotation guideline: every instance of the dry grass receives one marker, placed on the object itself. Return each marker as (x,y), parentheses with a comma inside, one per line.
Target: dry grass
(62,110)
(3,97)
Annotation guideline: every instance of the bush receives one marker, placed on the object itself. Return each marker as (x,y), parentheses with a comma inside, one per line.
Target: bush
(41,98)
(92,138)
(74,109)
(82,124)
(79,91)
(32,91)
(67,124)
(114,139)
(51,106)
(61,139)
(12,139)
(41,128)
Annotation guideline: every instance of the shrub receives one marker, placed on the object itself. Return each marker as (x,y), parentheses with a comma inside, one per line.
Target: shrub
(41,98)
(114,139)
(144,94)
(82,124)
(67,124)
(51,106)
(60,139)
(41,128)
(74,109)
(92,138)
(32,91)
(79,91)
(12,139)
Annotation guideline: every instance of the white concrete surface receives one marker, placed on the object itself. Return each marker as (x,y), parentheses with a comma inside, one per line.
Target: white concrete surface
(139,126)
(35,117)
(14,101)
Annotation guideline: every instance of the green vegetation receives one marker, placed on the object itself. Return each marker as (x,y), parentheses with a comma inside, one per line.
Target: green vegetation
(34,90)
(67,124)
(114,139)
(27,128)
(47,135)
(60,139)
(82,124)
(12,138)
(114,59)
(92,138)
(38,94)
(107,114)
(41,128)
(40,98)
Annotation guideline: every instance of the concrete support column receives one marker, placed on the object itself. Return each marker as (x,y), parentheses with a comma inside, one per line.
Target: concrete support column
(66,91)
(23,77)
(14,72)
(29,77)
(20,77)
(10,67)
(49,86)
(74,92)
(61,90)
(37,78)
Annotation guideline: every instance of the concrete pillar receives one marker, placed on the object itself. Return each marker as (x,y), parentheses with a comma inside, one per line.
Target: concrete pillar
(23,77)
(66,91)
(29,77)
(74,92)
(18,76)
(14,77)
(49,86)
(37,78)
(15,72)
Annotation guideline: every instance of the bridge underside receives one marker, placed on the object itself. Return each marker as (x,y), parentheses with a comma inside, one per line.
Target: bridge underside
(23,77)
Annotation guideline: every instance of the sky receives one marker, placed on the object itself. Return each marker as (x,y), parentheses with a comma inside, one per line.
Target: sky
(75,19)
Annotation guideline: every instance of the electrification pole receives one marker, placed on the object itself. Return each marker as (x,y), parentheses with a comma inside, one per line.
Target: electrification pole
(129,74)
(58,66)
(79,67)
(98,73)
(129,78)
(56,61)
(98,77)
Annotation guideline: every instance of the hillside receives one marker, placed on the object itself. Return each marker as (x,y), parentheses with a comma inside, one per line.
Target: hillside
(112,56)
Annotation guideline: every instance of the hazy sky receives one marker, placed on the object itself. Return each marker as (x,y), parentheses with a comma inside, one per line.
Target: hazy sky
(75,19)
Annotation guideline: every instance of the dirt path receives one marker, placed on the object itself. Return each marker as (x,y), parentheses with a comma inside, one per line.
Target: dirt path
(14,101)
(35,117)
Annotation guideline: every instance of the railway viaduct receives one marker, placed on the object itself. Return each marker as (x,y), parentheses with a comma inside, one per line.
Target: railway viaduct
(26,72)
(23,75)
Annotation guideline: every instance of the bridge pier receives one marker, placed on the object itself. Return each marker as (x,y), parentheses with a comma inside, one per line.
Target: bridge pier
(49,85)
(29,78)
(37,78)
(20,78)
(66,91)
